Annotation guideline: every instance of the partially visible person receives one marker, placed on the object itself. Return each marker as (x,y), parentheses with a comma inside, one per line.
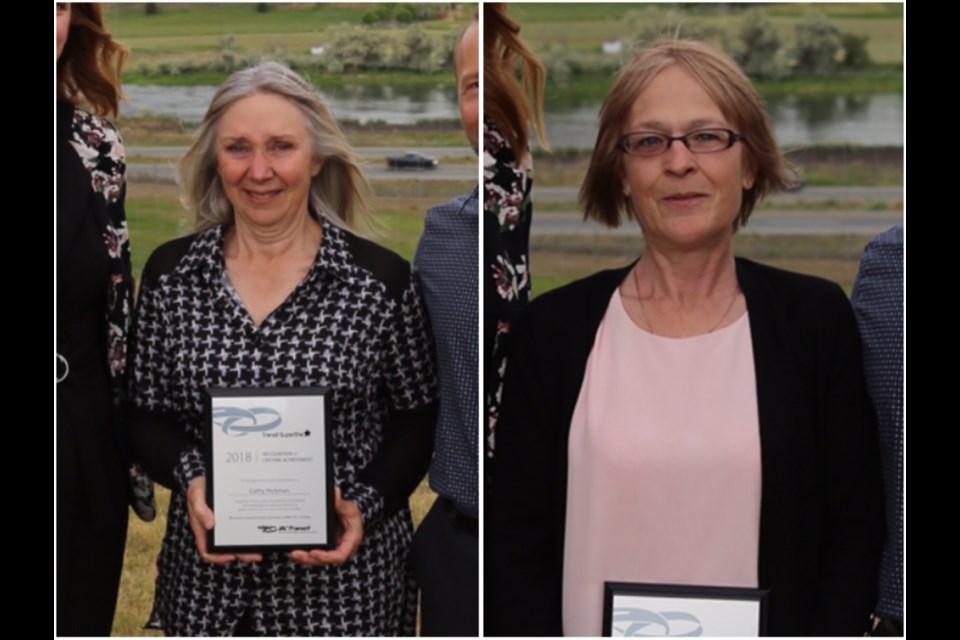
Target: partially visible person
(94,304)
(692,417)
(511,112)
(276,290)
(446,545)
(878,303)
(514,81)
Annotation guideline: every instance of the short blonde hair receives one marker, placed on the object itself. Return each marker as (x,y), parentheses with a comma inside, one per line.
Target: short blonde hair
(338,193)
(601,194)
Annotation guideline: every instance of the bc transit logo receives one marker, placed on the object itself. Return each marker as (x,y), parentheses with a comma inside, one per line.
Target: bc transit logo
(637,622)
(239,422)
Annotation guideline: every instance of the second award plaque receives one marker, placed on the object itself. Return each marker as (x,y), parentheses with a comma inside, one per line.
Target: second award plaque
(270,470)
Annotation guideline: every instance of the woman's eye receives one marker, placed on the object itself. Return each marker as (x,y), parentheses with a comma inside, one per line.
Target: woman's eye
(707,136)
(61,6)
(647,142)
(283,146)
(236,148)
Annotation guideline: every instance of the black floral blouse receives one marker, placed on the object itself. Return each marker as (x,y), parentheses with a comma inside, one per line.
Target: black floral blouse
(354,325)
(507,214)
(98,144)
(100,151)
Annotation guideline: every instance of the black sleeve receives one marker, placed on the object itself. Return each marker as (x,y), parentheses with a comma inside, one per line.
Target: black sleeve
(403,457)
(851,491)
(400,463)
(166,451)
(524,541)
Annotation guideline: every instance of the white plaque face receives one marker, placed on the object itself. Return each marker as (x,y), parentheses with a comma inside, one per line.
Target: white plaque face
(270,484)
(632,609)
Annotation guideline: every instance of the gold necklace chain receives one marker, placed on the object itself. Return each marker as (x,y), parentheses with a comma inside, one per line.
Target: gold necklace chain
(643,310)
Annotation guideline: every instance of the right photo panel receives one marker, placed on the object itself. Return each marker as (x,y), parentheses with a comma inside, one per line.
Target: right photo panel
(693,308)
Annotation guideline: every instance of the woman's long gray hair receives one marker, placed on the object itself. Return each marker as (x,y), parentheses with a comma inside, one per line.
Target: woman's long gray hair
(338,193)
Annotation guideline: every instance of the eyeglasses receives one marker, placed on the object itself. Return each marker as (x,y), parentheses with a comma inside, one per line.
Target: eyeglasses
(651,143)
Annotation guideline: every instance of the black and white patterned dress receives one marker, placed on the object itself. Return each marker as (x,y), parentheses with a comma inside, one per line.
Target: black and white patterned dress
(355,325)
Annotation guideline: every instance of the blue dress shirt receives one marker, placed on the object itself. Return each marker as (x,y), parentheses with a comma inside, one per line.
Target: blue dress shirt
(447,263)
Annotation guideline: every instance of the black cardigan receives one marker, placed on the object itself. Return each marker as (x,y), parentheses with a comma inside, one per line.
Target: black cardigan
(821,525)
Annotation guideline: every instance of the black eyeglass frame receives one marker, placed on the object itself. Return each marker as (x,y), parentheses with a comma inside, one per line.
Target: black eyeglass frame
(734,139)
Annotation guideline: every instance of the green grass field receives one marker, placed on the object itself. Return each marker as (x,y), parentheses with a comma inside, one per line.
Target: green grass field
(194,34)
(558,260)
(194,23)
(130,21)
(152,131)
(584,27)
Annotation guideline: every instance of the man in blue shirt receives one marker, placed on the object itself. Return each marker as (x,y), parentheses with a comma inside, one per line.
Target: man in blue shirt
(878,303)
(446,546)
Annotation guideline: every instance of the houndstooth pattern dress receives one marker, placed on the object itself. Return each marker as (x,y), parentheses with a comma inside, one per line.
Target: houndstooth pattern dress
(355,325)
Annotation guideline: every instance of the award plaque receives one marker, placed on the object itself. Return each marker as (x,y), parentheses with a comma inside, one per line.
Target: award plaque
(270,470)
(634,609)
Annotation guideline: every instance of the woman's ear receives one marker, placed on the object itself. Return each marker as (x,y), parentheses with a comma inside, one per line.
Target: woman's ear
(749,173)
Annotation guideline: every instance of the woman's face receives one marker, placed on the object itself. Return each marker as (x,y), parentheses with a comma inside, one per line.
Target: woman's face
(683,199)
(265,160)
(63,26)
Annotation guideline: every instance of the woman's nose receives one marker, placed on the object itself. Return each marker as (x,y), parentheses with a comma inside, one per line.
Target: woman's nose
(678,159)
(260,166)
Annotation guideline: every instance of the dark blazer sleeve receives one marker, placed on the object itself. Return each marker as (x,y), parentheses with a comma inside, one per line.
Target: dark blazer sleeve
(403,455)
(850,485)
(821,511)
(525,529)
(550,346)
(384,486)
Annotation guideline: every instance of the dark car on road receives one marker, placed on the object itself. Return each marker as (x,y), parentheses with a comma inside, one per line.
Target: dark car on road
(411,161)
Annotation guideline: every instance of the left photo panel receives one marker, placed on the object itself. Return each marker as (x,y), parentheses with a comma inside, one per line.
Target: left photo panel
(266,319)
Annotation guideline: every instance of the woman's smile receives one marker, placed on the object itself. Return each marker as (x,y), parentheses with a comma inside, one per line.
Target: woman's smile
(261,196)
(685,200)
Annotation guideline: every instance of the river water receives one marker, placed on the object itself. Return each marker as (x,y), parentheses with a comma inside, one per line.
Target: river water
(362,103)
(798,120)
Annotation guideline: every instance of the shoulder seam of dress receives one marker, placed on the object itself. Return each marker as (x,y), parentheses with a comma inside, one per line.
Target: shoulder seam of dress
(386,266)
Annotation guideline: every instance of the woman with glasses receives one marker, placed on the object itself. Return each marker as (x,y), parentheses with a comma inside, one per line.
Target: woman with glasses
(692,418)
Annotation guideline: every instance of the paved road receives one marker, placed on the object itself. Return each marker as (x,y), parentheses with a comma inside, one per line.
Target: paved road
(807,194)
(166,172)
(762,222)
(363,152)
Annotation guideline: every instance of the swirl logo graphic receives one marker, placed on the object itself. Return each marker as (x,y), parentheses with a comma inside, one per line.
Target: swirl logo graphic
(643,623)
(236,421)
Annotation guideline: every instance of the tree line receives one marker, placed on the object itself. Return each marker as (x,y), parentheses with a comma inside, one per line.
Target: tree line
(817,47)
